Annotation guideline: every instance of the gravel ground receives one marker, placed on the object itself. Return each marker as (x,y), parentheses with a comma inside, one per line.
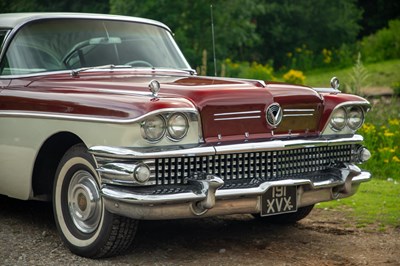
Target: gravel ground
(29,237)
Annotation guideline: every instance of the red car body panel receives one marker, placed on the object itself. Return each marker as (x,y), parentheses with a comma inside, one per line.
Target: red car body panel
(125,95)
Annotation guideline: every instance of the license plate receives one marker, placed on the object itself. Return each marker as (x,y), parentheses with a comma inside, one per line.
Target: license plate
(278,200)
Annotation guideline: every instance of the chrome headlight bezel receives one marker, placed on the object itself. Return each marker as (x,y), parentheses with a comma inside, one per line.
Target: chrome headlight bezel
(355,117)
(338,119)
(332,128)
(149,124)
(182,125)
(175,120)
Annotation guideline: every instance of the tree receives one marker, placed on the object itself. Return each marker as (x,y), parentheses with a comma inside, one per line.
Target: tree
(92,6)
(191,23)
(286,25)
(377,13)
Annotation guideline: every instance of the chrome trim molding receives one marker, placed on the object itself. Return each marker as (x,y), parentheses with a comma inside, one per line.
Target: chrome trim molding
(237,115)
(88,118)
(237,118)
(297,115)
(298,112)
(132,153)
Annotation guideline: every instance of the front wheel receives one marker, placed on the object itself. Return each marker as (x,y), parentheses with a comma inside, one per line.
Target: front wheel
(85,226)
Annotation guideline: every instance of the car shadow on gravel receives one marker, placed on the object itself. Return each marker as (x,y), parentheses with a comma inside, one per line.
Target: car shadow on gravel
(29,236)
(27,212)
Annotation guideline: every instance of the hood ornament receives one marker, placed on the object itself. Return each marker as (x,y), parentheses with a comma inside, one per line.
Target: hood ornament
(154,87)
(335,84)
(274,115)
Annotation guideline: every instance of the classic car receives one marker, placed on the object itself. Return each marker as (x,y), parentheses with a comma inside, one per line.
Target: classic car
(103,116)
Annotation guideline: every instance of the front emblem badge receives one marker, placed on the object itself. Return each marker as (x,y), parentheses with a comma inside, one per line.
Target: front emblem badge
(274,115)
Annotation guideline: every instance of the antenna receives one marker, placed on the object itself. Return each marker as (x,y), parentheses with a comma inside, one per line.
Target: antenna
(213,40)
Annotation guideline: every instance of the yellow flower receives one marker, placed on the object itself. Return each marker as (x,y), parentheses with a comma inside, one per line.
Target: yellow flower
(369,128)
(289,54)
(388,134)
(294,76)
(396,159)
(394,122)
(386,161)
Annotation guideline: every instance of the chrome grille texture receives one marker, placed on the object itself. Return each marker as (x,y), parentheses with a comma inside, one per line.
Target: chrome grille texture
(268,165)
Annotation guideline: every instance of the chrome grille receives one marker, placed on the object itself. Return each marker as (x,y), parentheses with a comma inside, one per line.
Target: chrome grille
(268,165)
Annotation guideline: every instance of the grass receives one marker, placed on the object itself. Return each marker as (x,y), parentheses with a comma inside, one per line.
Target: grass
(375,204)
(381,133)
(382,74)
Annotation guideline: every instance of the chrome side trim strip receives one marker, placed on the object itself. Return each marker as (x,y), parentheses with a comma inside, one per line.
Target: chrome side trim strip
(238,113)
(299,110)
(90,118)
(237,118)
(297,115)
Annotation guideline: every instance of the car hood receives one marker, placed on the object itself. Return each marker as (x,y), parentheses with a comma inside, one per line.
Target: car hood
(230,109)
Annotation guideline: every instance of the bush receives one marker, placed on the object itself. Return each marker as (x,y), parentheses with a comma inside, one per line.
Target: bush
(247,70)
(383,45)
(306,59)
(396,88)
(294,76)
(381,134)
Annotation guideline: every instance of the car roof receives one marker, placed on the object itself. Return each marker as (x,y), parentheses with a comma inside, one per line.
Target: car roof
(12,20)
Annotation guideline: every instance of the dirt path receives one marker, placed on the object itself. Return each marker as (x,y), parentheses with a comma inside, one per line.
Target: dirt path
(28,237)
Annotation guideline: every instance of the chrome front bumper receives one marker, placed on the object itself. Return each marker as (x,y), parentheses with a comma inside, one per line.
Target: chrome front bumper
(205,195)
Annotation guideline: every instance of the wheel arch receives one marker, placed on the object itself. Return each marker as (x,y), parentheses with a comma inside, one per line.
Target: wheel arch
(47,160)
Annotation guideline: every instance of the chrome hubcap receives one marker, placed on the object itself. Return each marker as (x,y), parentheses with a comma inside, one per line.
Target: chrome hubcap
(84,201)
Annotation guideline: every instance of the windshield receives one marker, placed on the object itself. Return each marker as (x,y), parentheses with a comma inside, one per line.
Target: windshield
(62,44)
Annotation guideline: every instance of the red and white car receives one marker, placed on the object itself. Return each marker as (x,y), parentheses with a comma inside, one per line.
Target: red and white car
(103,116)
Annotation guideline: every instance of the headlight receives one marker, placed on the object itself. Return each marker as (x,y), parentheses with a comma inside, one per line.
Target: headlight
(338,120)
(153,128)
(355,117)
(177,126)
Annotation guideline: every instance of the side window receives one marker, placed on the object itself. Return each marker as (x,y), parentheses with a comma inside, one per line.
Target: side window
(3,34)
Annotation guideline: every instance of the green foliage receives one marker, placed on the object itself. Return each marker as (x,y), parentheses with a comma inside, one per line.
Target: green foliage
(294,77)
(382,137)
(382,74)
(191,23)
(375,206)
(286,25)
(247,70)
(90,6)
(376,14)
(396,88)
(358,77)
(383,45)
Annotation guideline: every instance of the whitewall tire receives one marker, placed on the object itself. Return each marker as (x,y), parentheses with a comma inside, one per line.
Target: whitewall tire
(85,226)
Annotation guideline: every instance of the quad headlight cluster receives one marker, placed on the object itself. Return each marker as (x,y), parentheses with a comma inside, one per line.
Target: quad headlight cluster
(173,125)
(351,117)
